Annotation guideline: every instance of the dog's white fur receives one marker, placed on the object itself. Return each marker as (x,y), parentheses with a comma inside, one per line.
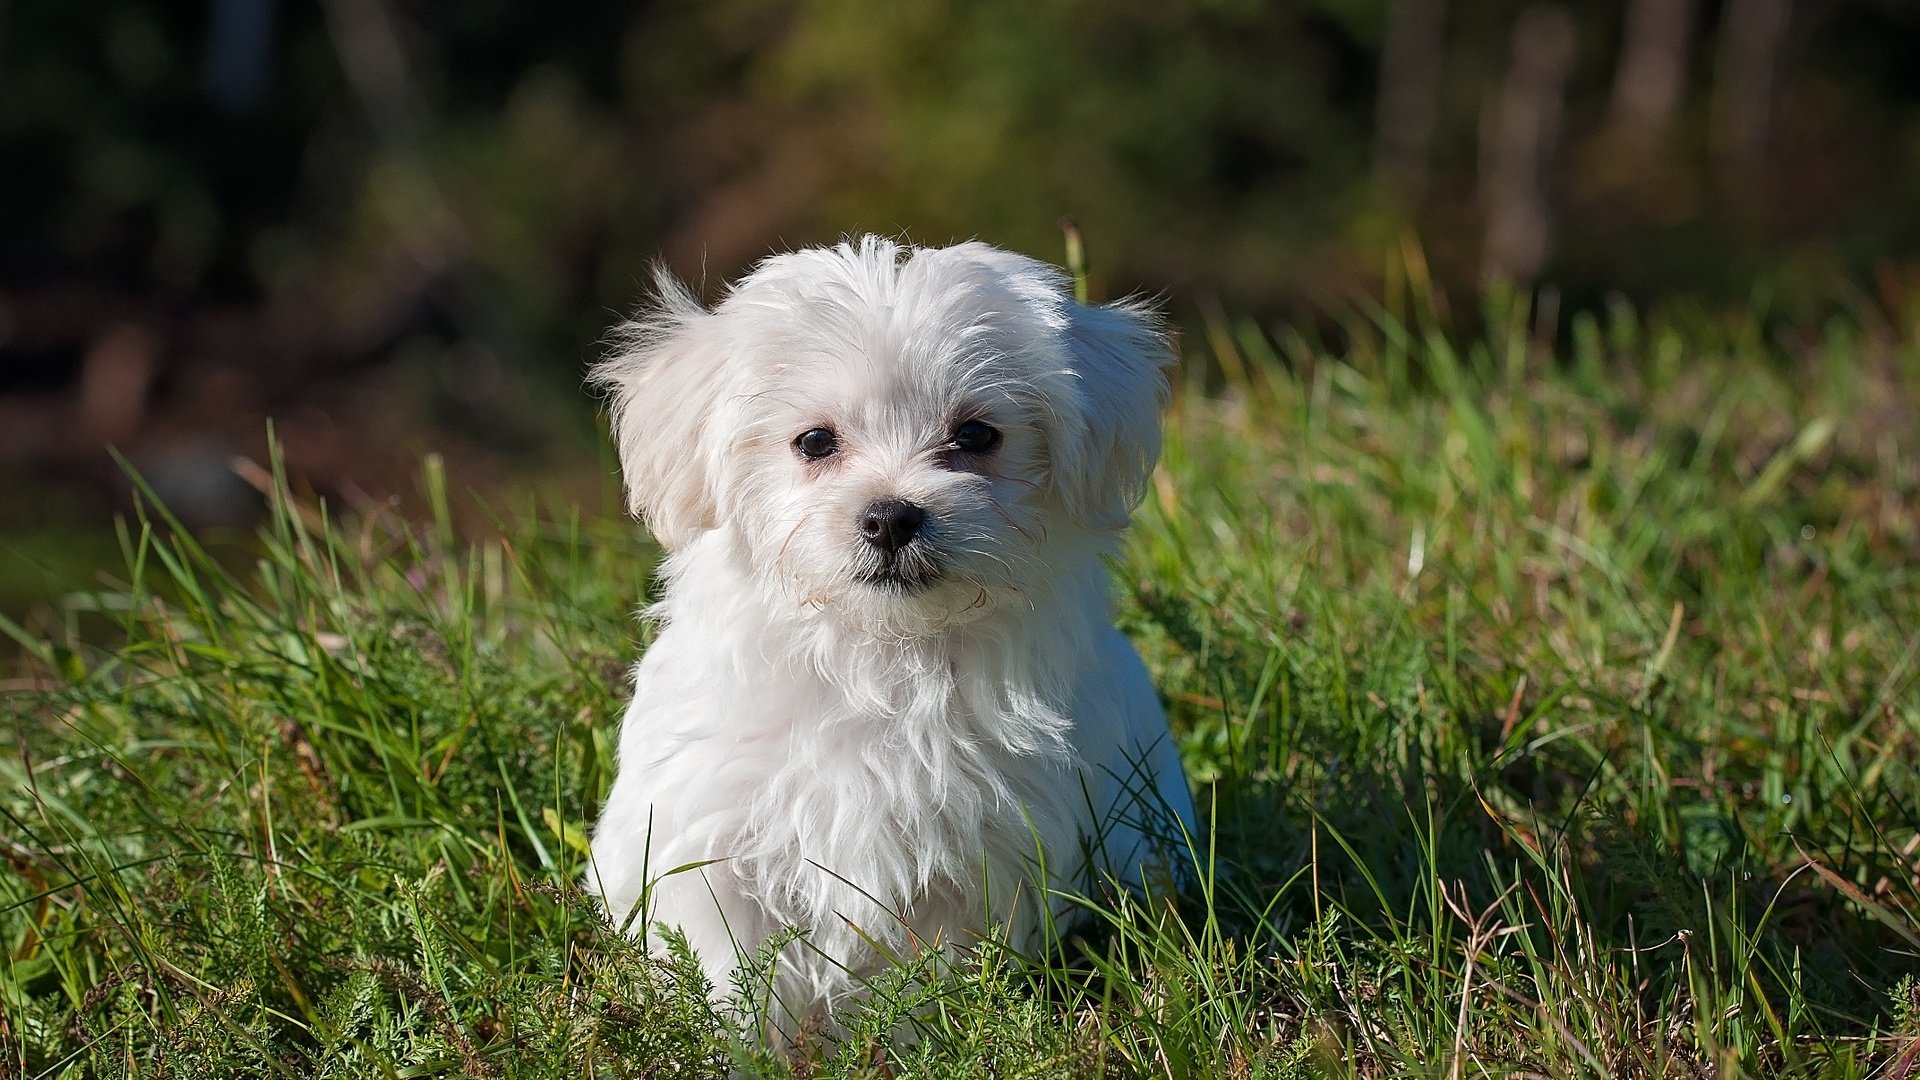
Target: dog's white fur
(884,766)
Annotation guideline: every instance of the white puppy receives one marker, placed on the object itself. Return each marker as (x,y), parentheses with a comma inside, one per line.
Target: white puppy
(887,704)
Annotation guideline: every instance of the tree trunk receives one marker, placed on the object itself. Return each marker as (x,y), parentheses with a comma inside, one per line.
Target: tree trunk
(1651,80)
(1519,139)
(1409,94)
(1747,69)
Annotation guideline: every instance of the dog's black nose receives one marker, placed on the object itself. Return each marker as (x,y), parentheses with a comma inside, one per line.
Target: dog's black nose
(890,523)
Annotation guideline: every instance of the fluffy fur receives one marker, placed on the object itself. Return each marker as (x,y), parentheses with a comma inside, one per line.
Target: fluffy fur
(882,749)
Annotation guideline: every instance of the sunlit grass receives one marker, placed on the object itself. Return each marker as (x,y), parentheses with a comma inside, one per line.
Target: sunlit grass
(1556,713)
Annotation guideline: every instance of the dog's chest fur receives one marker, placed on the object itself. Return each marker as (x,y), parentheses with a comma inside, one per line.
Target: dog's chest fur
(902,786)
(910,778)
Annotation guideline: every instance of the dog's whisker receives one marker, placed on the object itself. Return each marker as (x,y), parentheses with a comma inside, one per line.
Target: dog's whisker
(1008,518)
(784,544)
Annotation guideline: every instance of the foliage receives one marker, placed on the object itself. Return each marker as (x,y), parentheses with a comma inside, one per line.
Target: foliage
(1556,715)
(371,170)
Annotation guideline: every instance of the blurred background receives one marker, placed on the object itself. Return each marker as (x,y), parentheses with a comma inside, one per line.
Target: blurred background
(394,226)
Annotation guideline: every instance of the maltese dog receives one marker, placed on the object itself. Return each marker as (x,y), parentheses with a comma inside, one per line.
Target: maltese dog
(887,709)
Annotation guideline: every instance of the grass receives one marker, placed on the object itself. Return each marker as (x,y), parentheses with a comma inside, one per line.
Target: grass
(1556,710)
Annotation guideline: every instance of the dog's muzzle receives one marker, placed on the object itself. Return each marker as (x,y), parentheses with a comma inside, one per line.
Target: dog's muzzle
(891,527)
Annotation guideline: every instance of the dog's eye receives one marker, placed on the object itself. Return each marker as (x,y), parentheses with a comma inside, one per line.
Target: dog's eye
(975,437)
(817,443)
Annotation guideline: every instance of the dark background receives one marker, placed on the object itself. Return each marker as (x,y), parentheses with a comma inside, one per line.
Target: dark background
(395,226)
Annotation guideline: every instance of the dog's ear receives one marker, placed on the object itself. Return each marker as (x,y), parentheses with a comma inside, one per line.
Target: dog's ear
(1119,356)
(664,380)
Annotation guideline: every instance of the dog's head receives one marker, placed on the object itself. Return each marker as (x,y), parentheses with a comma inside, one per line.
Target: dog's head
(898,434)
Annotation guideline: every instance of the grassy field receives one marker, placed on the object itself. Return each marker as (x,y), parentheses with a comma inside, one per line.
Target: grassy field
(1556,710)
